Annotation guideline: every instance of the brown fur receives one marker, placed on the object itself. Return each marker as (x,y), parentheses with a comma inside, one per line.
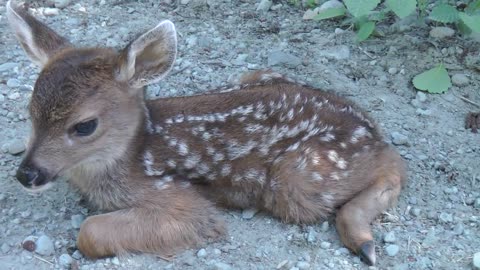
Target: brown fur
(294,151)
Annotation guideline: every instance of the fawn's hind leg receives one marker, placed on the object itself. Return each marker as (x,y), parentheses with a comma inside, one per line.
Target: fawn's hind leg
(354,218)
(167,222)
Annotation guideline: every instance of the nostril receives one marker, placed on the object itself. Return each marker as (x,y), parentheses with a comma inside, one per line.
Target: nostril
(30,177)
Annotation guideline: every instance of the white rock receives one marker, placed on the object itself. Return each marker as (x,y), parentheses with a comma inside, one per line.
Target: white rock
(76,221)
(476,260)
(16,147)
(399,139)
(311,13)
(202,253)
(389,237)
(44,246)
(441,32)
(62,3)
(65,260)
(303,265)
(392,250)
(249,213)
(264,5)
(51,11)
(460,80)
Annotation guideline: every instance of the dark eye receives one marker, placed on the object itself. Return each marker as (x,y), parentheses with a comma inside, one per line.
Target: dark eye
(86,128)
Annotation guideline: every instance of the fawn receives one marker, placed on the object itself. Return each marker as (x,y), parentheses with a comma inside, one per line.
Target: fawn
(158,166)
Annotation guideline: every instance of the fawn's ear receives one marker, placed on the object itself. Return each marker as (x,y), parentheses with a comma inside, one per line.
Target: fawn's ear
(38,40)
(150,57)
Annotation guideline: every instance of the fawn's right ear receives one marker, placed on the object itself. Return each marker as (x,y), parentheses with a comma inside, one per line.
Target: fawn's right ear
(38,40)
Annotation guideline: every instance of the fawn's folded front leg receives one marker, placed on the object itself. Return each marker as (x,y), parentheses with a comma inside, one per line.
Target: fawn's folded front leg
(164,225)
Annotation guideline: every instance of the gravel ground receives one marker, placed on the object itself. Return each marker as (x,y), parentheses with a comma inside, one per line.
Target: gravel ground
(436,224)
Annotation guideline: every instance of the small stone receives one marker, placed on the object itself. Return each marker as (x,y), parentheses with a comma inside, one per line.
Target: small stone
(341,52)
(389,237)
(77,255)
(62,3)
(303,265)
(5,248)
(460,80)
(44,246)
(311,235)
(441,32)
(311,13)
(8,66)
(217,252)
(221,266)
(324,226)
(12,83)
(476,203)
(115,261)
(76,221)
(16,147)
(392,250)
(202,253)
(325,245)
(2,98)
(51,11)
(279,58)
(14,96)
(65,260)
(264,5)
(416,212)
(458,229)
(420,96)
(445,217)
(476,260)
(249,213)
(399,139)
(392,70)
(130,10)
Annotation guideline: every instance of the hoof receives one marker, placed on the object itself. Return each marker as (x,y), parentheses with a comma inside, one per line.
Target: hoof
(367,252)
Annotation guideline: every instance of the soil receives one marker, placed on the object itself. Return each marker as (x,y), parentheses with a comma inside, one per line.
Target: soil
(436,224)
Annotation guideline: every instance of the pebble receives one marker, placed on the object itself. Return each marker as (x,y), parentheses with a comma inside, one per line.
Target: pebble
(12,83)
(264,5)
(460,80)
(476,260)
(279,58)
(217,252)
(7,66)
(399,139)
(14,96)
(5,248)
(420,96)
(65,260)
(324,226)
(389,237)
(44,246)
(249,213)
(311,235)
(61,3)
(445,217)
(476,203)
(441,32)
(76,221)
(2,98)
(77,255)
(116,261)
(311,13)
(221,266)
(202,253)
(392,70)
(325,245)
(51,11)
(392,250)
(416,212)
(458,229)
(303,265)
(16,147)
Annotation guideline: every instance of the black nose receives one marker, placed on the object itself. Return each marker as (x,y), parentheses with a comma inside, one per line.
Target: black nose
(30,176)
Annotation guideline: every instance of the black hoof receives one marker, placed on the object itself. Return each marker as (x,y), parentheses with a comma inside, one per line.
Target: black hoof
(367,252)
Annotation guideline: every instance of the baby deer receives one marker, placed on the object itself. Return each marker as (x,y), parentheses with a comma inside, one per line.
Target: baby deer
(156,166)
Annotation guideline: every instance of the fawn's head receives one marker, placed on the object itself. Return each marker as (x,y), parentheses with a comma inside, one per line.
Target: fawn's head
(87,104)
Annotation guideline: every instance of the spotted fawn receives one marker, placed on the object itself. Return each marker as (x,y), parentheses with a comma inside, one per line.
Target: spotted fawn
(158,167)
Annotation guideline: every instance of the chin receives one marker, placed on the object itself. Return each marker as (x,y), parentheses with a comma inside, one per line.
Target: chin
(39,189)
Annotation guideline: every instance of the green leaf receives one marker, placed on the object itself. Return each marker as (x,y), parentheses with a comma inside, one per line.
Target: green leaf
(473,8)
(473,22)
(330,13)
(444,13)
(435,80)
(360,8)
(366,29)
(402,8)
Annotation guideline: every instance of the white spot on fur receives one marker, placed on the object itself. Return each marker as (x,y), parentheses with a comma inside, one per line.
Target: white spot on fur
(218,157)
(182,148)
(293,147)
(358,133)
(148,161)
(203,168)
(343,145)
(334,176)
(328,137)
(339,162)
(148,120)
(171,163)
(317,176)
(192,160)
(226,170)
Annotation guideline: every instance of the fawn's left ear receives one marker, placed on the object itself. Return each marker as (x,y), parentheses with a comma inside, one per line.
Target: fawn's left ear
(150,57)
(38,40)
